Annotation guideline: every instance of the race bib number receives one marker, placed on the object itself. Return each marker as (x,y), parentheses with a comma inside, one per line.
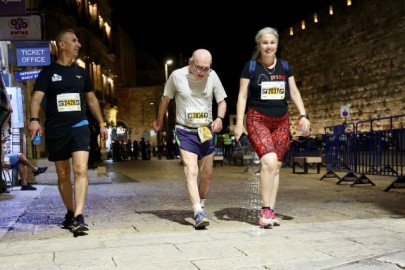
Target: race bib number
(273,90)
(196,116)
(68,102)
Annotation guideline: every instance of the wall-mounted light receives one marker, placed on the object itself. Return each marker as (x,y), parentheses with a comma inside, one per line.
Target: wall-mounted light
(291,31)
(349,2)
(303,25)
(315,17)
(330,10)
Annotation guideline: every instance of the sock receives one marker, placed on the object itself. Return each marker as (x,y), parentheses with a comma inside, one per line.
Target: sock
(202,202)
(197,208)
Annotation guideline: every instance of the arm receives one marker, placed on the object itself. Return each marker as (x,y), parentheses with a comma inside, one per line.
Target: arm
(297,100)
(94,107)
(241,107)
(158,123)
(217,123)
(34,127)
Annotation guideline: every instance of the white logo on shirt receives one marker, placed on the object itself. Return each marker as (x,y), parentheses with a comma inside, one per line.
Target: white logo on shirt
(56,77)
(78,76)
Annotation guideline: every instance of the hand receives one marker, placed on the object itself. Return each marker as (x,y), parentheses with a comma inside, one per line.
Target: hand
(238,131)
(305,127)
(216,125)
(104,133)
(156,127)
(34,127)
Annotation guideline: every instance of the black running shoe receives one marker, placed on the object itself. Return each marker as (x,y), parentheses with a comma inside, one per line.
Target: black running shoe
(79,225)
(68,222)
(40,170)
(28,187)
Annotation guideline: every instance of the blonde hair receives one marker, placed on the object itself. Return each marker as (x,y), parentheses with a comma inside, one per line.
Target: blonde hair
(264,31)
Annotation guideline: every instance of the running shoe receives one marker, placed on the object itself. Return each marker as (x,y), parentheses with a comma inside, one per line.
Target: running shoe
(68,222)
(28,187)
(268,218)
(78,225)
(40,170)
(201,220)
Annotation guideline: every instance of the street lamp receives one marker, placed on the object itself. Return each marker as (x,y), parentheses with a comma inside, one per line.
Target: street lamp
(168,62)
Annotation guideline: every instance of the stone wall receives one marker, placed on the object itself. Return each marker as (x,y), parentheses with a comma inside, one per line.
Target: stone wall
(355,57)
(136,109)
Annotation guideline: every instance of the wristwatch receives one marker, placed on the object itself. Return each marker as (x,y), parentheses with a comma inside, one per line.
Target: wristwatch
(304,115)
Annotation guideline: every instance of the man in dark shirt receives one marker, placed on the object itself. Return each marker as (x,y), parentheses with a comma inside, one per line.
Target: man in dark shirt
(67,89)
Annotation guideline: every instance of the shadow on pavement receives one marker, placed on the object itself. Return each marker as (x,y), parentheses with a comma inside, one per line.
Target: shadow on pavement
(243,215)
(178,216)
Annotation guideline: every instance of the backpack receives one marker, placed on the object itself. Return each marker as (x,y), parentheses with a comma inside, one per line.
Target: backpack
(284,63)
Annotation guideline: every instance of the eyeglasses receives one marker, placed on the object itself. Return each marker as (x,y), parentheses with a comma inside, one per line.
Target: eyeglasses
(200,68)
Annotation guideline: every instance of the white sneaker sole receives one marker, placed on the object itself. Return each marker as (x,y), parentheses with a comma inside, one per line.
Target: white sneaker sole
(268,222)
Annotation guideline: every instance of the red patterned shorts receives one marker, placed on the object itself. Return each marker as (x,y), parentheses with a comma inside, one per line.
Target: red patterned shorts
(268,134)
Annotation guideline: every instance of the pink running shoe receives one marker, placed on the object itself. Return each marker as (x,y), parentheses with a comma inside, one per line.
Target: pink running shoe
(267,218)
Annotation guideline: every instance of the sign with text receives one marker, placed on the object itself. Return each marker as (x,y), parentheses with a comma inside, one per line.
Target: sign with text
(33,56)
(27,75)
(20,28)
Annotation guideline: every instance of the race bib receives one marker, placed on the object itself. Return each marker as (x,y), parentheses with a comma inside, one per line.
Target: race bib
(273,90)
(196,116)
(68,102)
(204,133)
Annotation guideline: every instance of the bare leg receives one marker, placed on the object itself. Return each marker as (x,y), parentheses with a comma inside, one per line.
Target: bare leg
(64,184)
(22,172)
(206,169)
(81,181)
(27,163)
(190,161)
(269,179)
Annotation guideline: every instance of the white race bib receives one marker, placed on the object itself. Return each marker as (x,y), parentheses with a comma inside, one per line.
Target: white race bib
(197,116)
(68,102)
(273,90)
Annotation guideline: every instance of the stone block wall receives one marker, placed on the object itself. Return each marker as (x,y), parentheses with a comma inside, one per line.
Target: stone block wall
(136,109)
(355,57)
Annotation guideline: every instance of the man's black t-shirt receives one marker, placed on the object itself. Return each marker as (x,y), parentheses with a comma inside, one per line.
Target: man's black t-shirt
(65,88)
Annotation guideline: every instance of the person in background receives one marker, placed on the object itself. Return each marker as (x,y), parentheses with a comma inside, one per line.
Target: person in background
(19,162)
(194,87)
(228,145)
(68,91)
(268,120)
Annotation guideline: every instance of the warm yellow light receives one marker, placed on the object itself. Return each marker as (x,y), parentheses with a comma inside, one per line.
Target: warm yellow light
(303,25)
(291,31)
(331,10)
(349,2)
(315,17)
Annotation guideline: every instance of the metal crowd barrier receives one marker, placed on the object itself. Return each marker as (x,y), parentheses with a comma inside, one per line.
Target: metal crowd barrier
(370,147)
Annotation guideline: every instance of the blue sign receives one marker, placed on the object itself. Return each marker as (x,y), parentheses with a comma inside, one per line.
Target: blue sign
(33,56)
(26,75)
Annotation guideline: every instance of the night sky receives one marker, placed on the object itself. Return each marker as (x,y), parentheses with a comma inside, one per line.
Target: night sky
(227,32)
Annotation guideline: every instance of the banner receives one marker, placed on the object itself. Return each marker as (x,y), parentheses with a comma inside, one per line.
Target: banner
(20,28)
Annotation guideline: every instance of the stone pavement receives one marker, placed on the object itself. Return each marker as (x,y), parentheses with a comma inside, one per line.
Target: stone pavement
(143,220)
